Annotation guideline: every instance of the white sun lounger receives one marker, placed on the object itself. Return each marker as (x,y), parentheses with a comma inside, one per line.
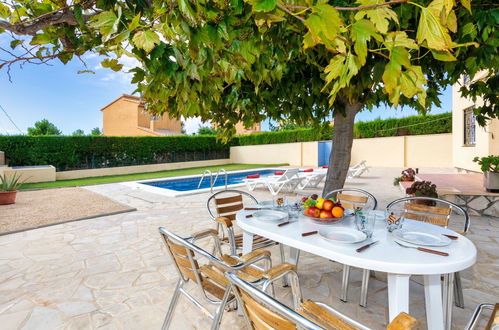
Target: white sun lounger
(312,179)
(289,180)
(357,170)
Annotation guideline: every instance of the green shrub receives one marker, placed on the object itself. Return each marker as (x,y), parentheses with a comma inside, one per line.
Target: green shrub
(82,152)
(414,125)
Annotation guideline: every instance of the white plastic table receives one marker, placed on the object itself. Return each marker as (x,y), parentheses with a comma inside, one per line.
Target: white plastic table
(386,256)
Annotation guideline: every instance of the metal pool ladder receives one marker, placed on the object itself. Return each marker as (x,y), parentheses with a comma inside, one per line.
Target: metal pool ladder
(220,171)
(212,182)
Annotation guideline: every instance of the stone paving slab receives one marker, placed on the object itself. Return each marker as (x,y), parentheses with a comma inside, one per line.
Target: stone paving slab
(114,273)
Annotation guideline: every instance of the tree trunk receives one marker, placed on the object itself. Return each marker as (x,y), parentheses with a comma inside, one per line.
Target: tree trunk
(339,160)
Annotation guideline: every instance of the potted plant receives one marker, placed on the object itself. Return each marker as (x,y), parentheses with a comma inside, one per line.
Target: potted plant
(490,168)
(8,188)
(423,189)
(407,175)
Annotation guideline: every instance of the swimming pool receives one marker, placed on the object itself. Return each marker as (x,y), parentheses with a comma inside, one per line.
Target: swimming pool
(189,184)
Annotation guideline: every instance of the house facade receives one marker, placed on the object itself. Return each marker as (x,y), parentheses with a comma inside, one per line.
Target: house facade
(126,116)
(241,130)
(469,140)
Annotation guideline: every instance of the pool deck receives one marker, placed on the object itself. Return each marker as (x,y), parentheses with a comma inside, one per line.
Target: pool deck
(114,273)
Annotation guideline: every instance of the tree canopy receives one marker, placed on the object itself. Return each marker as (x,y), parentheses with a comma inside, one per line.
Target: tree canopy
(270,58)
(44,127)
(206,130)
(95,131)
(300,60)
(78,132)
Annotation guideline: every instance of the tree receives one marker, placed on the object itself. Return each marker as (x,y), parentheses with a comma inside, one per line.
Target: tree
(232,61)
(44,127)
(78,132)
(95,131)
(206,130)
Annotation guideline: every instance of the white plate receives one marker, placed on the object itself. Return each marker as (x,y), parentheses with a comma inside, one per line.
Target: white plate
(421,238)
(269,215)
(343,235)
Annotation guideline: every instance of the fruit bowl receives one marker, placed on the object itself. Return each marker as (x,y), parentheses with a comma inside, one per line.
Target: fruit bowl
(324,220)
(322,210)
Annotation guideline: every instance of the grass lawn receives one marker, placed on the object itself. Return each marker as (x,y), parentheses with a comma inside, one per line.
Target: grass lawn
(139,176)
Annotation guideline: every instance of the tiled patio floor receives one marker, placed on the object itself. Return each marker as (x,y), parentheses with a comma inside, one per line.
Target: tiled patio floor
(113,272)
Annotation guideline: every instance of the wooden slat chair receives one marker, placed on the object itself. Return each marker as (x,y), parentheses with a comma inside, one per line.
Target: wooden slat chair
(223,207)
(209,277)
(261,311)
(493,322)
(351,199)
(437,215)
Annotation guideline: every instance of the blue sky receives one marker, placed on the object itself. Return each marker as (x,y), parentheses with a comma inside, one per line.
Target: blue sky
(72,101)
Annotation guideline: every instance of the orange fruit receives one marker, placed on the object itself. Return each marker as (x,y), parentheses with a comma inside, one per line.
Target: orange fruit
(337,212)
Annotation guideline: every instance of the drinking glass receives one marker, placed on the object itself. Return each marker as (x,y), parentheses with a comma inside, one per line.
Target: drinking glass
(365,221)
(279,202)
(294,209)
(394,220)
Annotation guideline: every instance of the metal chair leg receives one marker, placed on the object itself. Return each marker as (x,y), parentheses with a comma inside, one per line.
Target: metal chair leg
(365,285)
(344,283)
(217,318)
(285,281)
(458,291)
(173,304)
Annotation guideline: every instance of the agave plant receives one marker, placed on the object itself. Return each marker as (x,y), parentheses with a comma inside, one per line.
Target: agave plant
(10,182)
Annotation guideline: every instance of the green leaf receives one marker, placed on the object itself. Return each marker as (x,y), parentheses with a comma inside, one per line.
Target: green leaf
(187,11)
(107,23)
(85,71)
(65,58)
(362,31)
(166,31)
(14,43)
(134,23)
(466,4)
(264,5)
(192,71)
(323,23)
(469,29)
(445,56)
(431,30)
(339,73)
(79,15)
(112,64)
(4,11)
(222,31)
(145,40)
(379,16)
(120,37)
(308,40)
(41,39)
(399,39)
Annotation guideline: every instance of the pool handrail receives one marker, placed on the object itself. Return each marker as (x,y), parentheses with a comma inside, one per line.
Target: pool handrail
(222,170)
(211,179)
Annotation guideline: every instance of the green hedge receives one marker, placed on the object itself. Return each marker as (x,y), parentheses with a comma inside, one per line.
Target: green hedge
(284,136)
(414,125)
(83,152)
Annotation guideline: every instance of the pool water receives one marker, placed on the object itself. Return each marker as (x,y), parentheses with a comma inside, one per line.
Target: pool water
(191,183)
